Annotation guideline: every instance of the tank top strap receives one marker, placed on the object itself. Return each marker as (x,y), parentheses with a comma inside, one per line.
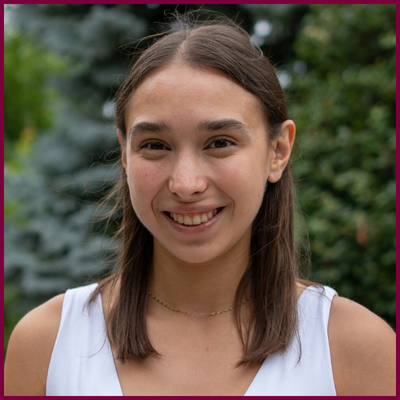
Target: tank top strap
(82,363)
(305,369)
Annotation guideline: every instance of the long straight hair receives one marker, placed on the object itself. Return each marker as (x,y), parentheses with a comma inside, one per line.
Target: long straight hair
(273,265)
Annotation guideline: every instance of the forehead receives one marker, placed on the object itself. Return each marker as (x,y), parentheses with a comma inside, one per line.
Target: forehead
(179,91)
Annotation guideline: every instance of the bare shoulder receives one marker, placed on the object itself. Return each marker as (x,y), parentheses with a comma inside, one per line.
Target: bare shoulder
(300,287)
(30,348)
(363,350)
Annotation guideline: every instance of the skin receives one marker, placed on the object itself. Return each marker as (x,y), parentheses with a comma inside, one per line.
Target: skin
(187,168)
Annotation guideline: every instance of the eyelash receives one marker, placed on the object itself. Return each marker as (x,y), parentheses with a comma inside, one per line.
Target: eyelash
(143,146)
(220,139)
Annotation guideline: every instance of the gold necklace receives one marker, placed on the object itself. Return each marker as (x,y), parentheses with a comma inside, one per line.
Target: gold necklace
(193,313)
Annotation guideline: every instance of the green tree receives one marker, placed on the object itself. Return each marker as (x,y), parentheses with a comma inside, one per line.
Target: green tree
(344,106)
(27,97)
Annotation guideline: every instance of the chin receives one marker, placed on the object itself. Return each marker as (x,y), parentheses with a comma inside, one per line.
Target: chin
(195,257)
(195,254)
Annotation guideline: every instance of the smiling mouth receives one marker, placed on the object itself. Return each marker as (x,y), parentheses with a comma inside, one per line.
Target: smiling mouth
(194,219)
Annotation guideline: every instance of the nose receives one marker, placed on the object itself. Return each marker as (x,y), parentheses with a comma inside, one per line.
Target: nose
(187,177)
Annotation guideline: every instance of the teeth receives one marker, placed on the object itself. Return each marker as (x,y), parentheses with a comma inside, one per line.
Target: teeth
(195,220)
(187,220)
(204,218)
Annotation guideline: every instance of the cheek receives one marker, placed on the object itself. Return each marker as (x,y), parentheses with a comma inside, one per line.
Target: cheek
(245,172)
(244,180)
(145,181)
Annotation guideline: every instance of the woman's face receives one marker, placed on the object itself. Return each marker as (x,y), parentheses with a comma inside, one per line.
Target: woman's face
(197,161)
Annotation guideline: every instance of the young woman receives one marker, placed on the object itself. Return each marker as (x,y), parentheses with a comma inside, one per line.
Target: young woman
(206,297)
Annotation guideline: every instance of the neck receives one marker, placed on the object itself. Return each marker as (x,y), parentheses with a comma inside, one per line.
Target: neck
(201,287)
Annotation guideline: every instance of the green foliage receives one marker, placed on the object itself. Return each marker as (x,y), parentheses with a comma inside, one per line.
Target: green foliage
(284,20)
(49,242)
(27,98)
(344,107)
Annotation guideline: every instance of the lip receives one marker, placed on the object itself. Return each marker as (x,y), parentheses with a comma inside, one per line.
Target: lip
(193,229)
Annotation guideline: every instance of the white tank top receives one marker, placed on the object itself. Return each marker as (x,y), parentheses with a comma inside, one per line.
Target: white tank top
(82,363)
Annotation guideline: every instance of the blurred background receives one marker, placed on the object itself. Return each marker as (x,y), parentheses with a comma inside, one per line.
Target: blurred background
(63,64)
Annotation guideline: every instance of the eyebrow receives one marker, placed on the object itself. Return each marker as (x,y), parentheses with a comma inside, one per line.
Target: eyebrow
(222,124)
(159,127)
(142,127)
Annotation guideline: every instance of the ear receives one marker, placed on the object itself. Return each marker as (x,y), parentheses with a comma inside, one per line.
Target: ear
(121,142)
(282,149)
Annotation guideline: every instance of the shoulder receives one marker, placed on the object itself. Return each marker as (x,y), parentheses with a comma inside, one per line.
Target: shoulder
(363,350)
(30,348)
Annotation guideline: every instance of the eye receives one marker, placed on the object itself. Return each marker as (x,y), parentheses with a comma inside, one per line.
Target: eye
(221,143)
(153,145)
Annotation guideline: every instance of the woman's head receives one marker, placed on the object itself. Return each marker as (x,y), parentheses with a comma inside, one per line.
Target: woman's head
(220,48)
(225,53)
(197,144)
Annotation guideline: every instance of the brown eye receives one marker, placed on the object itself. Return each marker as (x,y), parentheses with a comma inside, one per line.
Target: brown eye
(154,146)
(221,143)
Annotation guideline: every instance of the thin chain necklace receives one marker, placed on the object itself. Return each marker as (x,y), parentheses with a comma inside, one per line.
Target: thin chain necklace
(193,313)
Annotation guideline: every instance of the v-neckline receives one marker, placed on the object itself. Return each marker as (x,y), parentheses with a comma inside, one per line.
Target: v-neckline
(118,382)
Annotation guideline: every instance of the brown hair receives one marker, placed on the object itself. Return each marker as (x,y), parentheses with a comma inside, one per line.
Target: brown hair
(273,267)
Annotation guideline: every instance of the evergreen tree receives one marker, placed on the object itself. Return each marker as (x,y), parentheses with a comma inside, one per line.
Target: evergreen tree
(48,239)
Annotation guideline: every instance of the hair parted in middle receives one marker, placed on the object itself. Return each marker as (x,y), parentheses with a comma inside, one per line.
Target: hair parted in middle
(273,266)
